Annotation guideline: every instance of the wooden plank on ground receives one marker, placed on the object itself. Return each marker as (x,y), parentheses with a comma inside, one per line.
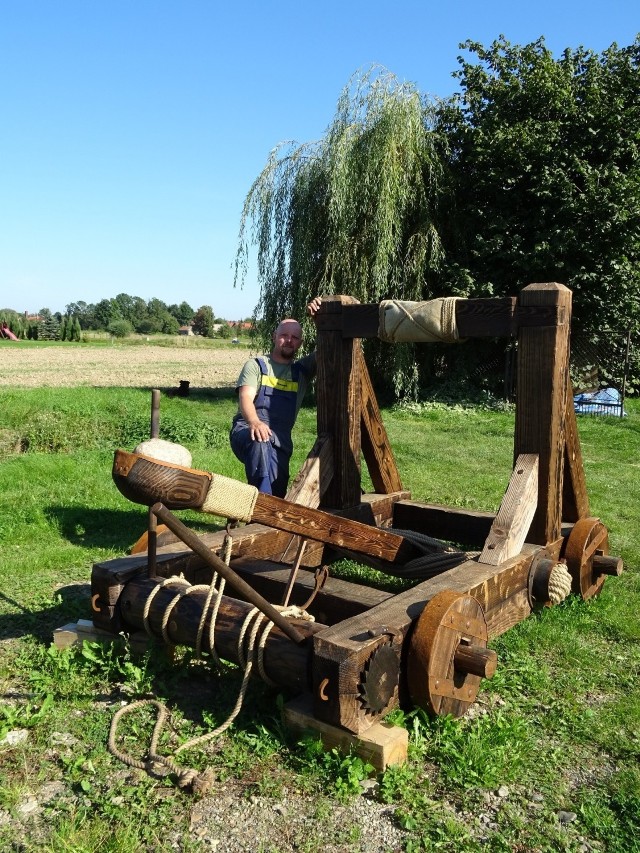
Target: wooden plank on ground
(511,525)
(381,745)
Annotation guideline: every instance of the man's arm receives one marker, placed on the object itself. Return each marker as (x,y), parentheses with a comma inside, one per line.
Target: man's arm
(259,430)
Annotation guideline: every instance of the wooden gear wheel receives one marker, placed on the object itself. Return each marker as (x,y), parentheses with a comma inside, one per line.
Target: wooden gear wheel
(589,538)
(448,655)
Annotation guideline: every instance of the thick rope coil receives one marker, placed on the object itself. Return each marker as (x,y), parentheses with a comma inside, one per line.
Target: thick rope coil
(559,583)
(189,778)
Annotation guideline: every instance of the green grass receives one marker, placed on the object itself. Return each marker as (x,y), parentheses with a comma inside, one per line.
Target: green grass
(557,728)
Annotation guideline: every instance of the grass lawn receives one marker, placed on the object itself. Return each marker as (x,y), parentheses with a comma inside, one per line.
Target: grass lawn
(546,761)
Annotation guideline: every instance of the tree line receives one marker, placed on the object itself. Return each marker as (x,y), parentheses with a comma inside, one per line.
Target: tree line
(529,173)
(120,316)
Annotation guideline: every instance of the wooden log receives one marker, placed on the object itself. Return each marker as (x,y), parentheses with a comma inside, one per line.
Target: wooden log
(475,318)
(338,405)
(285,662)
(511,525)
(225,571)
(543,365)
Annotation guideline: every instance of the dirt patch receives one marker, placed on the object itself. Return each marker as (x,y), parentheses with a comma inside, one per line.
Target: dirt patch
(146,366)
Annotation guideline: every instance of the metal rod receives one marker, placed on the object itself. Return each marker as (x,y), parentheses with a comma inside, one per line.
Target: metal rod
(155,413)
(241,586)
(294,572)
(625,372)
(152,536)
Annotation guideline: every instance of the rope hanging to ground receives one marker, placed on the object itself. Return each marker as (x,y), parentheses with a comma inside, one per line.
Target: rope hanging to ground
(252,627)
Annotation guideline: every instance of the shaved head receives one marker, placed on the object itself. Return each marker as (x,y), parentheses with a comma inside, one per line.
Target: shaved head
(287,340)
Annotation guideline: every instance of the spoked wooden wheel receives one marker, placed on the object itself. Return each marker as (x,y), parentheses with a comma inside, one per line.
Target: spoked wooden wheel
(448,654)
(587,556)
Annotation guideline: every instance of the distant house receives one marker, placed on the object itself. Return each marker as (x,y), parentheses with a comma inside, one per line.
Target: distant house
(241,326)
(185,330)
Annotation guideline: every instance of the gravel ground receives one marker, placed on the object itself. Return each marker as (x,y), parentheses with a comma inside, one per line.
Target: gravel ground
(122,366)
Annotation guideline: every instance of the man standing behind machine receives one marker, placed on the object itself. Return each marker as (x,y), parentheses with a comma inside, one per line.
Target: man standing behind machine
(270,392)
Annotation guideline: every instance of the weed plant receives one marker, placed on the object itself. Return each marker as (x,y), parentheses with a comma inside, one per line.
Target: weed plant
(547,759)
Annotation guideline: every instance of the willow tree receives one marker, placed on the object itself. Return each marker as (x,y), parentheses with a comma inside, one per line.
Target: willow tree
(353,213)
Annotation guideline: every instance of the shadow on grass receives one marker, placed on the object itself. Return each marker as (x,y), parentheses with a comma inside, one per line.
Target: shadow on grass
(111,529)
(196,395)
(73,603)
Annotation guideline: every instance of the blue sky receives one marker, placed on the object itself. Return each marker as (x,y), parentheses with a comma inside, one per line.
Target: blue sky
(131,130)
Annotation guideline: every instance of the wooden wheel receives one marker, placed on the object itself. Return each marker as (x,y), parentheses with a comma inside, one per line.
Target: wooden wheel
(448,655)
(587,541)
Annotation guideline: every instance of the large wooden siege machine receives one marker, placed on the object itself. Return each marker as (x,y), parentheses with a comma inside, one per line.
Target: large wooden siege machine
(370,651)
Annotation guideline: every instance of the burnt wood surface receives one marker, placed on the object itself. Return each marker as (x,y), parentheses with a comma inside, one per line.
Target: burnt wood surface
(543,367)
(475,318)
(338,406)
(451,524)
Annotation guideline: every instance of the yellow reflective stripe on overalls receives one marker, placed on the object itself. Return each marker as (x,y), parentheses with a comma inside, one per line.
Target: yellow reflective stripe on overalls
(280,384)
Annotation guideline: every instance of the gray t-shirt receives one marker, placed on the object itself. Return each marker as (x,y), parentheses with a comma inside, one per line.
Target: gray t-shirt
(251,374)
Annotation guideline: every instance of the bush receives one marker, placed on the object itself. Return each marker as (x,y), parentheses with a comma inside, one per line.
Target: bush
(120,328)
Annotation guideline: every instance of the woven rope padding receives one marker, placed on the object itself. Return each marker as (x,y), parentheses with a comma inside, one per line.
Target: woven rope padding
(559,583)
(230,499)
(423,322)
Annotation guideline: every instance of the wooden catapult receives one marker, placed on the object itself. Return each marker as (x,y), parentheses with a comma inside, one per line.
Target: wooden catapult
(370,651)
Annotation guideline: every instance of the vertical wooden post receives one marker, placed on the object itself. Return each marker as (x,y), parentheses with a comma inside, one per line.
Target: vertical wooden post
(338,402)
(541,403)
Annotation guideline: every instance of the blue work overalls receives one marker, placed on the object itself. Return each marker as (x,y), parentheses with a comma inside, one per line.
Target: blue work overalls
(266,463)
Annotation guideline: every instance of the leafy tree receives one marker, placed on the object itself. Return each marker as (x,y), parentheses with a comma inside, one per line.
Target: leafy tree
(131,308)
(183,313)
(76,331)
(203,322)
(545,158)
(354,213)
(104,313)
